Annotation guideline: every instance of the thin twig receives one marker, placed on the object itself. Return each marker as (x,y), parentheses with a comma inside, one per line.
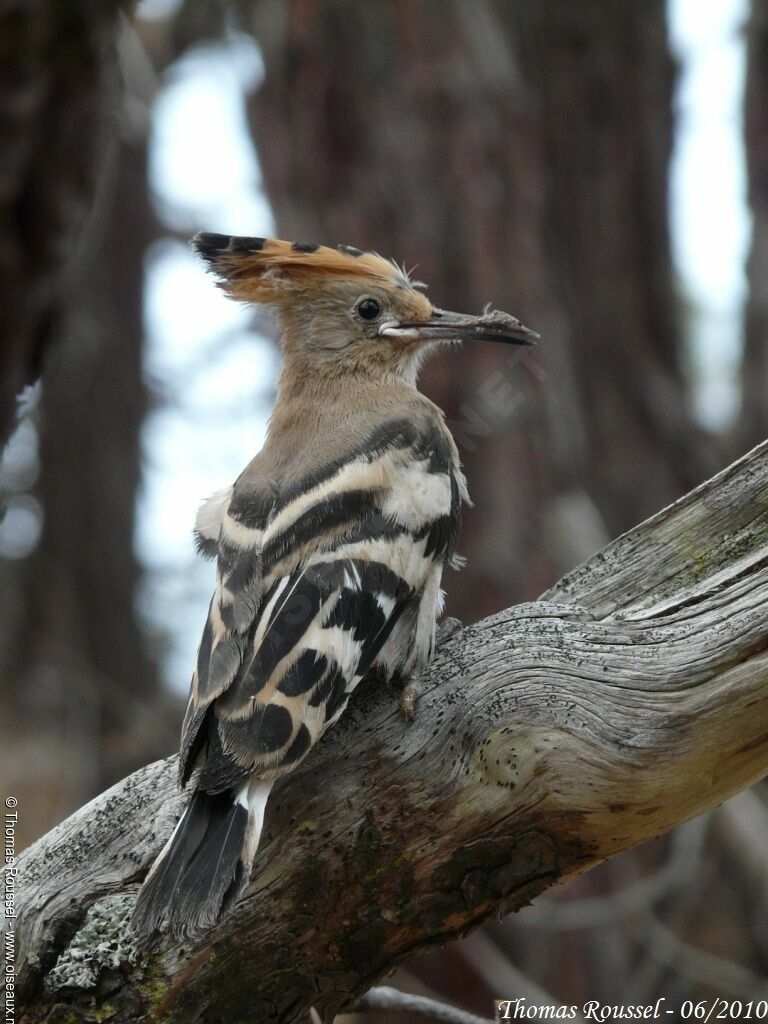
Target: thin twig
(501,975)
(699,964)
(383,997)
(743,825)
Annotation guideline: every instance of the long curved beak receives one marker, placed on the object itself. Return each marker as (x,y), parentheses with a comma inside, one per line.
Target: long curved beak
(446,326)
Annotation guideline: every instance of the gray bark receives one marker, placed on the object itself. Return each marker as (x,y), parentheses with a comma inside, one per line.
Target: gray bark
(631,697)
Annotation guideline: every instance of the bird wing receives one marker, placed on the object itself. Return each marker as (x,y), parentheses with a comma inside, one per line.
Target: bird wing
(309,588)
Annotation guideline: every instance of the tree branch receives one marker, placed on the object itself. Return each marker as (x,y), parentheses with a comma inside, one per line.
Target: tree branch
(631,697)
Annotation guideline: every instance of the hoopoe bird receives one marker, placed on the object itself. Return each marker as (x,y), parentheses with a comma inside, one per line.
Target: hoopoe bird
(330,547)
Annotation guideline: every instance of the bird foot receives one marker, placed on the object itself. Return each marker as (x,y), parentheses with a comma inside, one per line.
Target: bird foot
(447,628)
(409,697)
(411,691)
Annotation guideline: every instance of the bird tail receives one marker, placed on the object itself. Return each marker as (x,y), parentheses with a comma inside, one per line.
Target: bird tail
(205,864)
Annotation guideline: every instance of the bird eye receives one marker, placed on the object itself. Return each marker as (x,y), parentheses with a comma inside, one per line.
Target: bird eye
(368,309)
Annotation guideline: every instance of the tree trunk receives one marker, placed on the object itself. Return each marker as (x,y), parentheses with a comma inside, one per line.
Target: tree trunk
(517,153)
(631,697)
(602,79)
(753,423)
(57,81)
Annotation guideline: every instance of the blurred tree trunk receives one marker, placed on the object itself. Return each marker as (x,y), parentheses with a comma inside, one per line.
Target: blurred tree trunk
(518,153)
(388,125)
(57,79)
(753,421)
(602,78)
(753,425)
(82,687)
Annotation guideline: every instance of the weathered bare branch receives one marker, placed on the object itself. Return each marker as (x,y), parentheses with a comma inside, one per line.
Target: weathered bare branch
(631,697)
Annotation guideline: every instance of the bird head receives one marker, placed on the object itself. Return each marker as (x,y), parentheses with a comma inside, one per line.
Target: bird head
(343,307)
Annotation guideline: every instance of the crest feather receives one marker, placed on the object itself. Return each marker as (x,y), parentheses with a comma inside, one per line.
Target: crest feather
(269,269)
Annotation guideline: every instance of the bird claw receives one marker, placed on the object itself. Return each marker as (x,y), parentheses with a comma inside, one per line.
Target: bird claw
(447,628)
(411,691)
(408,700)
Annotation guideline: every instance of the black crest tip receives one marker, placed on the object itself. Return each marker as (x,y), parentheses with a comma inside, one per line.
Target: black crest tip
(209,245)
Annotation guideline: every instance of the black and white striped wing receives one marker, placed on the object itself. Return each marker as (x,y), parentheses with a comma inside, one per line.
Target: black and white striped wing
(229,527)
(318,631)
(308,599)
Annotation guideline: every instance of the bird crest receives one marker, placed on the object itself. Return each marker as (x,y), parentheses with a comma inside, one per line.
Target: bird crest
(270,270)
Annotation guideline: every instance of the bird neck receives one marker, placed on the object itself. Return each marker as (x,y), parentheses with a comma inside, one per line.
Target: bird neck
(317,411)
(322,381)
